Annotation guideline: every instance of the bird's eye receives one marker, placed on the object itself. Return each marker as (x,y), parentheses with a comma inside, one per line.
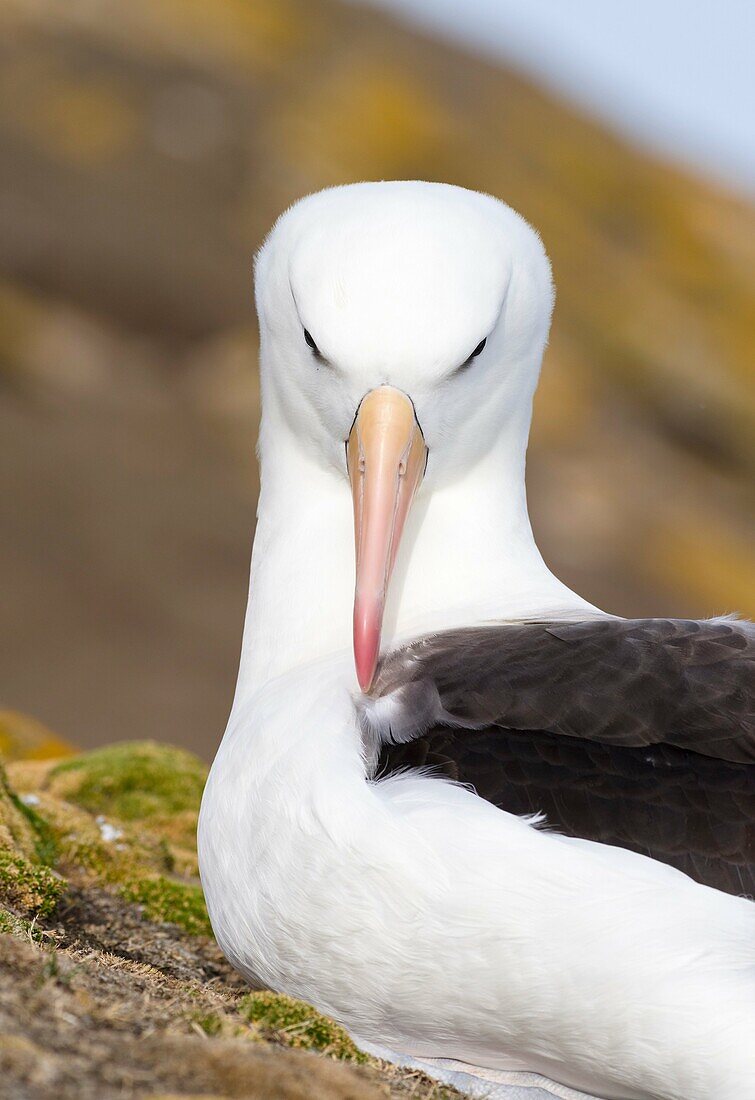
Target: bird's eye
(310,343)
(474,354)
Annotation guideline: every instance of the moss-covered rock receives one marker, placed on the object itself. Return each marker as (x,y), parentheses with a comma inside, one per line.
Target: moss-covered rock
(147,792)
(168,900)
(17,833)
(298,1025)
(97,849)
(28,886)
(123,817)
(132,780)
(34,889)
(156,787)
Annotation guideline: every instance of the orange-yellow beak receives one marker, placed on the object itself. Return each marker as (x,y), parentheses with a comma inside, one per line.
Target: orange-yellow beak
(386,456)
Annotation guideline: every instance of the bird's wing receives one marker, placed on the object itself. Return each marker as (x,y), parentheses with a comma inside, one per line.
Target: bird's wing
(633,732)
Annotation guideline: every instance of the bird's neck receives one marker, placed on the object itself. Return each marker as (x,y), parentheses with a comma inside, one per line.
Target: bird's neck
(467,555)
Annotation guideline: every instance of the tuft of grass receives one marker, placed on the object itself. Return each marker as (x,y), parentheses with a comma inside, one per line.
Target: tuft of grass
(12,925)
(25,886)
(45,844)
(173,902)
(132,780)
(208,1022)
(298,1025)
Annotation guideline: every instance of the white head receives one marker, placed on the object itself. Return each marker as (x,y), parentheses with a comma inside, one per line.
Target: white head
(440,293)
(398,284)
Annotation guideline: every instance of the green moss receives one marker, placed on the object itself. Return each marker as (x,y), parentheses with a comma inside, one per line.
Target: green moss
(64,827)
(140,782)
(298,1025)
(23,885)
(209,1022)
(97,860)
(133,780)
(12,925)
(16,832)
(27,886)
(45,845)
(150,793)
(166,900)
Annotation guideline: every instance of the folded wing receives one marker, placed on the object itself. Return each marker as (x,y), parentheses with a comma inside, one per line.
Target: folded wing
(639,733)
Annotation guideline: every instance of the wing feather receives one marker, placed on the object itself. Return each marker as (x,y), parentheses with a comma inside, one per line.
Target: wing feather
(632,732)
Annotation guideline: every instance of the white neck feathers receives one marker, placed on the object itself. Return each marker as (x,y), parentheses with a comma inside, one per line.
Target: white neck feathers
(467,555)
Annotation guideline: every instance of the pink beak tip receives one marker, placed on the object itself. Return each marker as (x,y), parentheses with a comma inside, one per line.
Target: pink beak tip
(366,656)
(365,681)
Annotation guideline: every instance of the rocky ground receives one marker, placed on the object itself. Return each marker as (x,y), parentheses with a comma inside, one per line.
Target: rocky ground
(110,982)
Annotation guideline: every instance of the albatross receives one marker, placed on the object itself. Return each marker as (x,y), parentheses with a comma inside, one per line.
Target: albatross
(457,807)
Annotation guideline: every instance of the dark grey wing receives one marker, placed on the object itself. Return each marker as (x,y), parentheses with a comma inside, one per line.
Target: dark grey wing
(632,732)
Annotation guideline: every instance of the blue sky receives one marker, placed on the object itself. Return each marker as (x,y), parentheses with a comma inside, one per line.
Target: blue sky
(675,75)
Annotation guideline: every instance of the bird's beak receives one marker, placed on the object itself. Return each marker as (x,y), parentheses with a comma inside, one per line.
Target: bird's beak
(386,456)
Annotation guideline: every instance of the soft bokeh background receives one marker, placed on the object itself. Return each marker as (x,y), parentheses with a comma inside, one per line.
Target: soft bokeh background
(145,148)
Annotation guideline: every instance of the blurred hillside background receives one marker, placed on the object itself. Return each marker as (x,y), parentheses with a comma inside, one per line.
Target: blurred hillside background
(145,149)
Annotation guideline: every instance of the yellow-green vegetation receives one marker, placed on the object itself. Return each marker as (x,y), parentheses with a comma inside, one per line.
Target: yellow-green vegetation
(156,786)
(133,781)
(123,817)
(298,1025)
(27,884)
(17,832)
(209,1022)
(12,925)
(102,919)
(33,889)
(166,900)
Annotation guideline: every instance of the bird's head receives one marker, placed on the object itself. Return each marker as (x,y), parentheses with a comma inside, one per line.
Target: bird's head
(402,327)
